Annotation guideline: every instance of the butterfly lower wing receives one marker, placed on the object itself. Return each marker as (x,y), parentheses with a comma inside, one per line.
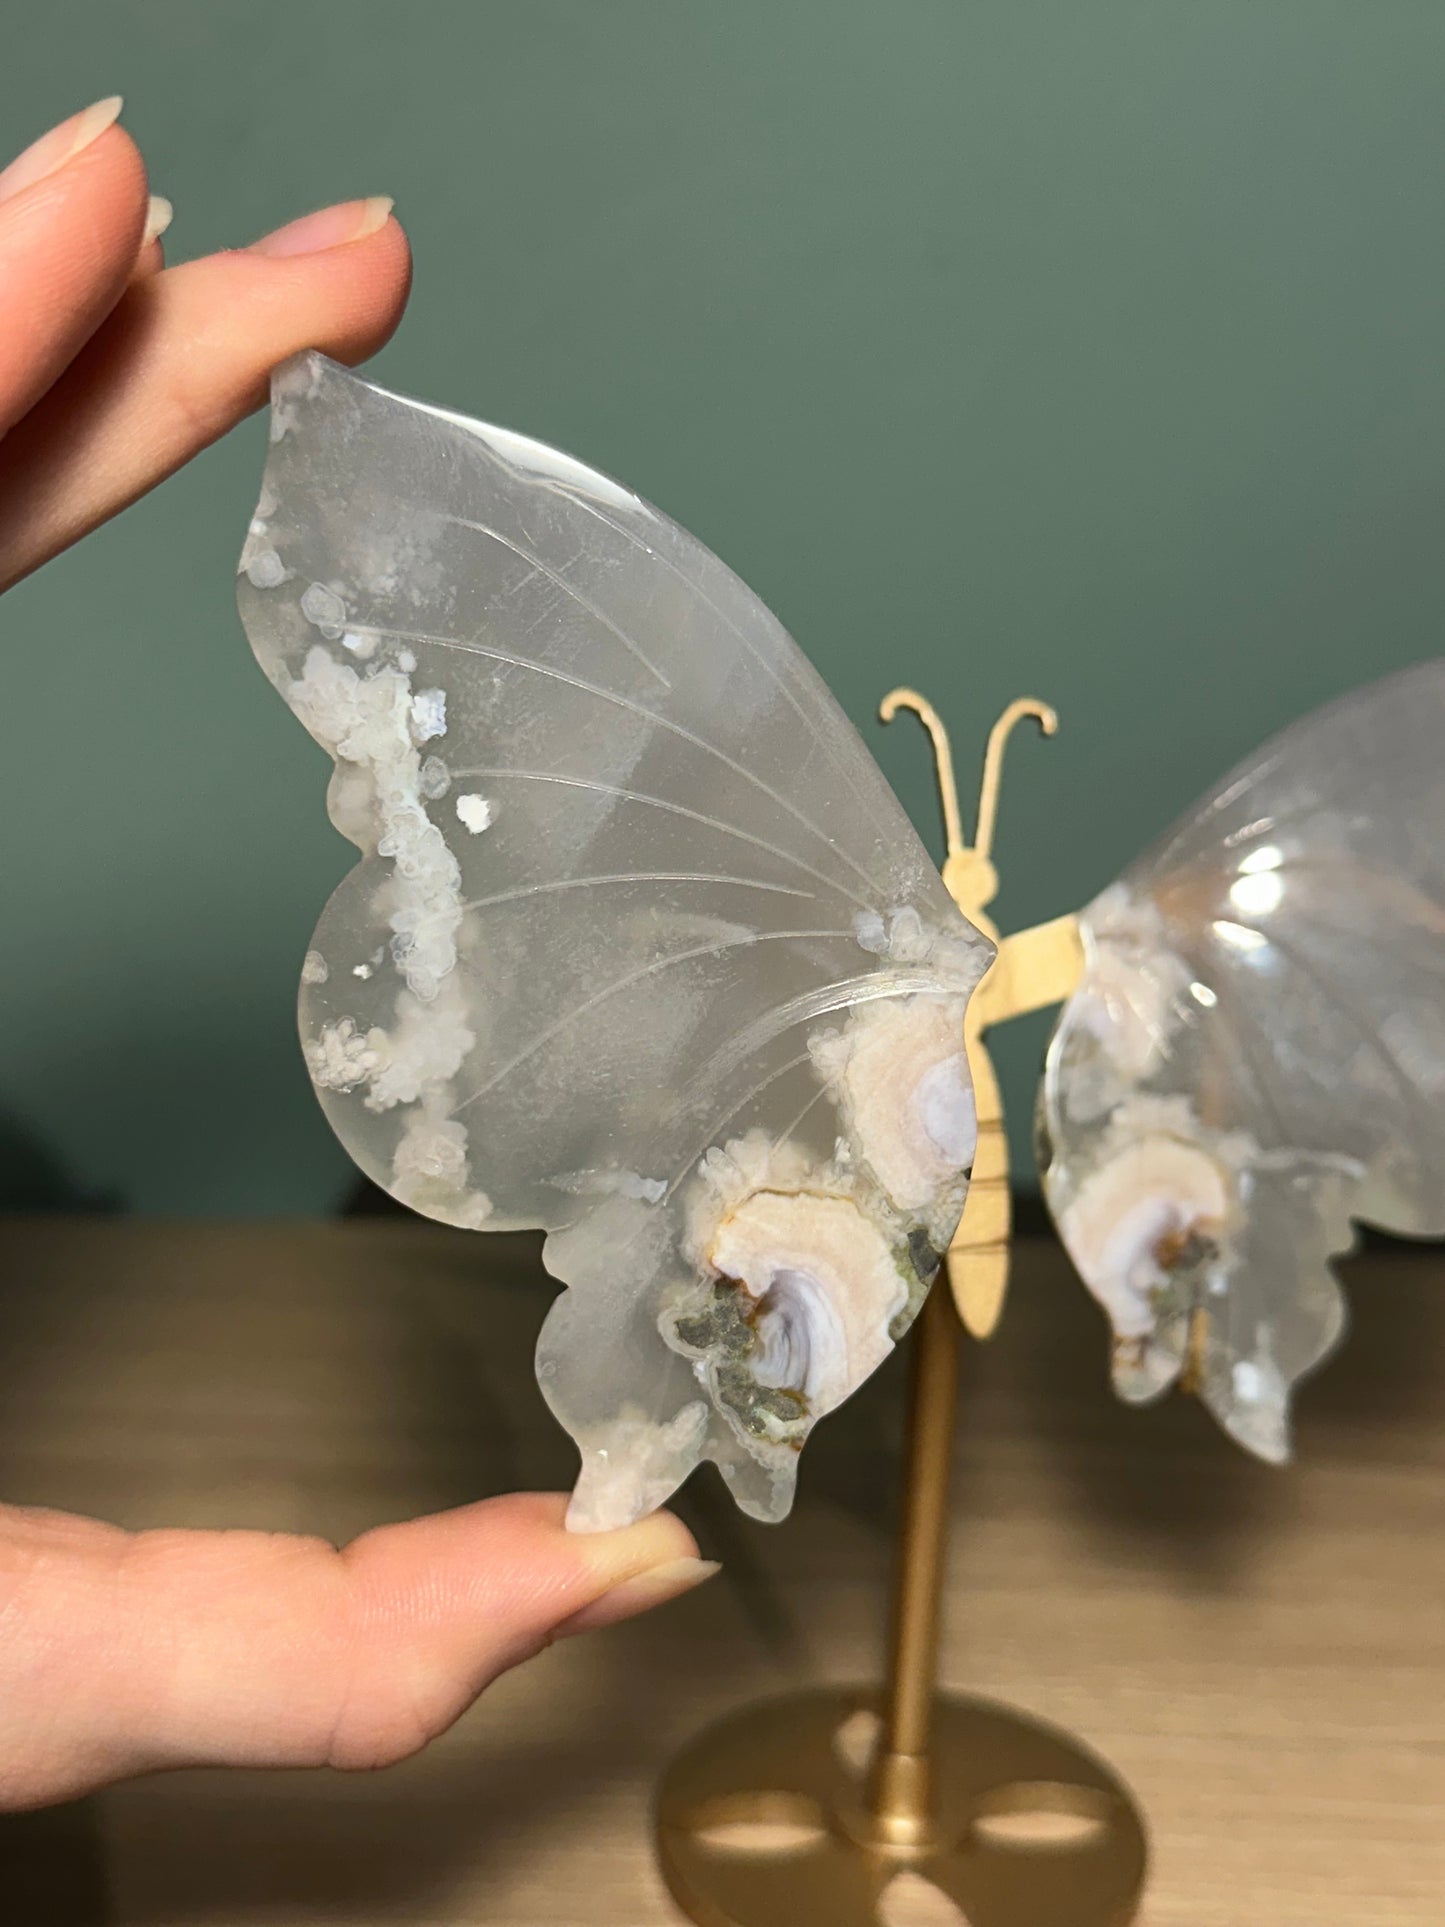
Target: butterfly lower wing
(1256,1056)
(638,929)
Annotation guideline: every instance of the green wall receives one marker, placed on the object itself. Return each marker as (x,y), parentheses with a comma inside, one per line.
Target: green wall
(1092,349)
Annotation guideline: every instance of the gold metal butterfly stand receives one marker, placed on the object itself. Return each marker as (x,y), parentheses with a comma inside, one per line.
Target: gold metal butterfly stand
(761,1821)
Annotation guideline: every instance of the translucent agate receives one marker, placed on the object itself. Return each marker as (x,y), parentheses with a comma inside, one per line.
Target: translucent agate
(1256,1056)
(641,949)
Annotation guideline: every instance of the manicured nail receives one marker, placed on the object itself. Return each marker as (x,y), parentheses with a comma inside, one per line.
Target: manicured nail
(57,147)
(639,1594)
(330,227)
(159,216)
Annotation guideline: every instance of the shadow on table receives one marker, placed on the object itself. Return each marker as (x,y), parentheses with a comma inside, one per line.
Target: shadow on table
(52,1868)
(1163,1481)
(446,1836)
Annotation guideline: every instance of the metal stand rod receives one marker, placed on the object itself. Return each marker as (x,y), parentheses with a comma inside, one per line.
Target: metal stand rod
(944,1765)
(899,1800)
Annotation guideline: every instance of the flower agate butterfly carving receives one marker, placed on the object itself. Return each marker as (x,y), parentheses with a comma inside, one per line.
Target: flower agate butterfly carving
(643,951)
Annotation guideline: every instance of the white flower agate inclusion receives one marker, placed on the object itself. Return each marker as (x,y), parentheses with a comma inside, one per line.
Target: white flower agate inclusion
(641,949)
(1256,1056)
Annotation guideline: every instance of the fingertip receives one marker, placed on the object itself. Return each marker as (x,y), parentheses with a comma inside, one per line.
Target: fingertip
(117,153)
(94,205)
(658,1586)
(510,1563)
(68,244)
(383,270)
(88,146)
(613,1557)
(111,174)
(148,262)
(533,1582)
(389,274)
(353,291)
(184,356)
(339,225)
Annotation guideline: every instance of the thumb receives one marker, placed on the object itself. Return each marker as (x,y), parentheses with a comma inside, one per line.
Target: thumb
(467,1614)
(128,1652)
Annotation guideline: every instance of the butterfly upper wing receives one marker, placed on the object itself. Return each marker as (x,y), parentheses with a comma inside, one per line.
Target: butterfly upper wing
(642,949)
(1256,1055)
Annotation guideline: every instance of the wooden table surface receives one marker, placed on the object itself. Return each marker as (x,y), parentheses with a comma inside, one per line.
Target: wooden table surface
(1260,1653)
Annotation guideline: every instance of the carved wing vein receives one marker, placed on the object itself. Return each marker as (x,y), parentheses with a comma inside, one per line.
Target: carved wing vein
(809,723)
(1414,1099)
(636,709)
(527,890)
(719,1125)
(674,809)
(568,589)
(845,994)
(639,975)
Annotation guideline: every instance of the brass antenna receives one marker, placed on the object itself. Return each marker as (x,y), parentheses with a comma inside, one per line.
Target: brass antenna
(1048,722)
(897,699)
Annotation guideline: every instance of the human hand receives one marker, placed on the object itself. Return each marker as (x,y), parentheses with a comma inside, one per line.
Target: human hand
(114,370)
(126,1652)
(122,1652)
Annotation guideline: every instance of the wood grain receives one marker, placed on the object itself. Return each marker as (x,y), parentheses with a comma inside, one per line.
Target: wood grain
(1262,1654)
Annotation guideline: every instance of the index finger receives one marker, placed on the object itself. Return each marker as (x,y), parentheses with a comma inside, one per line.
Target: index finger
(180,359)
(73,209)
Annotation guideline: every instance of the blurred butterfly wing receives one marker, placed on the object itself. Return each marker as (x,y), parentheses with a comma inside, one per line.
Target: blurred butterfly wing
(633,893)
(1257,1050)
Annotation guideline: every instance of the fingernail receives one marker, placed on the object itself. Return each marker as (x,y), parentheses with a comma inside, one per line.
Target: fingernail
(159,216)
(639,1594)
(329,227)
(61,144)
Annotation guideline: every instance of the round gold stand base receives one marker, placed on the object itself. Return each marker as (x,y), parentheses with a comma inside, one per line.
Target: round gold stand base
(761,1821)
